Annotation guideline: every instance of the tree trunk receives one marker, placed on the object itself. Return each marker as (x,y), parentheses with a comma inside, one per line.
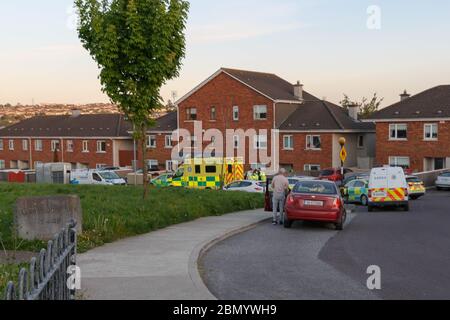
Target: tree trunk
(144,161)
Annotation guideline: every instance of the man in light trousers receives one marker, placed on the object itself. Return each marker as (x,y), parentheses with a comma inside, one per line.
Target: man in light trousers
(280,185)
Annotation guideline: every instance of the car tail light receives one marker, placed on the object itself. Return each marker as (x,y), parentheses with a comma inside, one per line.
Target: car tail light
(337,203)
(406,192)
(370,193)
(259,189)
(290,200)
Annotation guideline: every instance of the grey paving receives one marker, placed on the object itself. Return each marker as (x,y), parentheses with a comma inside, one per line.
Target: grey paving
(160,265)
(311,261)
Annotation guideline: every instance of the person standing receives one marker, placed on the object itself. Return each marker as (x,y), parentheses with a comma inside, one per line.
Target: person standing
(280,185)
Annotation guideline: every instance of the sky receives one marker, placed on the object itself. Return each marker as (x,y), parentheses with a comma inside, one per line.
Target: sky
(356,47)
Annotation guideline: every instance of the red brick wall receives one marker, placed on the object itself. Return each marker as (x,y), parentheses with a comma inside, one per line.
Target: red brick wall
(224,92)
(300,156)
(46,155)
(415,148)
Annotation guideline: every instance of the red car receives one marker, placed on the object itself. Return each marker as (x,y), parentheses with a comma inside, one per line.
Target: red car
(333,174)
(315,201)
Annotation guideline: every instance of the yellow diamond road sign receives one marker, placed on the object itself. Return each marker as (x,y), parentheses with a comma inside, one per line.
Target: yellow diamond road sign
(343,154)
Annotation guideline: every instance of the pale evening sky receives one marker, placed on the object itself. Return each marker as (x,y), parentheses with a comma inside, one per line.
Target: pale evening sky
(324,43)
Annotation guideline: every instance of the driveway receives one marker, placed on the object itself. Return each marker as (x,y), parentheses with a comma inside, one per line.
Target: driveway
(313,261)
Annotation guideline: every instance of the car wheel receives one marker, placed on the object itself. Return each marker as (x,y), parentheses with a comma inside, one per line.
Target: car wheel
(406,207)
(370,208)
(364,200)
(287,223)
(340,225)
(439,188)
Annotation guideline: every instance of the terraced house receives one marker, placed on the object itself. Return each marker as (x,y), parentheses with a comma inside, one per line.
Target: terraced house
(415,132)
(85,141)
(309,127)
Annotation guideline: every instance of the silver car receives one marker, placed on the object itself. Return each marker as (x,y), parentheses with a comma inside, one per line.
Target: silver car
(443,181)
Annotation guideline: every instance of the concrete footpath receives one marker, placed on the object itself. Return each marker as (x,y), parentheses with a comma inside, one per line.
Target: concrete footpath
(160,265)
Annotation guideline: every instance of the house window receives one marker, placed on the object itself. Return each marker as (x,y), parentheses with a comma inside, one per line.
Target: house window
(260,142)
(38,145)
(398,132)
(171,165)
(236,140)
(235,113)
(399,162)
(1,144)
(55,145)
(431,131)
(288,142)
(85,146)
(101,146)
(24,145)
(312,167)
(313,143)
(193,141)
(153,164)
(168,140)
(11,145)
(260,112)
(213,113)
(100,166)
(360,142)
(191,114)
(151,142)
(69,146)
(2,164)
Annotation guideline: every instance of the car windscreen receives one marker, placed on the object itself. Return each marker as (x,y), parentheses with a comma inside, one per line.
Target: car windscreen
(413,179)
(326,173)
(446,175)
(315,187)
(109,175)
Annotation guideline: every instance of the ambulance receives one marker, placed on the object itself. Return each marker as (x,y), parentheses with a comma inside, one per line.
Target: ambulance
(208,173)
(388,187)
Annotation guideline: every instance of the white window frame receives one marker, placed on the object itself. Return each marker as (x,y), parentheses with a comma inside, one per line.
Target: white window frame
(99,146)
(53,145)
(190,112)
(430,126)
(69,146)
(1,144)
(213,113)
(395,127)
(260,142)
(11,145)
(2,164)
(150,139)
(25,145)
(85,146)
(394,161)
(308,167)
(258,110)
(38,146)
(310,142)
(290,142)
(152,162)
(235,113)
(168,141)
(171,165)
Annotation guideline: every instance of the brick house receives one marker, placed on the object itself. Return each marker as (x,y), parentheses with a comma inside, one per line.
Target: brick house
(309,128)
(415,132)
(85,141)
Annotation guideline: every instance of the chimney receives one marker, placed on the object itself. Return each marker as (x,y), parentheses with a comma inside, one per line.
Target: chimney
(298,90)
(75,113)
(353,110)
(405,95)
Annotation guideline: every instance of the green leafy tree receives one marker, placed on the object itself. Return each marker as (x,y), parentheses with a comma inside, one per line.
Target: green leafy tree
(366,107)
(138,46)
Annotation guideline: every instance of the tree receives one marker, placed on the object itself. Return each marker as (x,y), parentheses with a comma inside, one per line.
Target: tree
(366,107)
(138,46)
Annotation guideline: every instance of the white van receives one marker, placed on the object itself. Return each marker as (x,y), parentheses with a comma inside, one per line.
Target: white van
(100,177)
(388,187)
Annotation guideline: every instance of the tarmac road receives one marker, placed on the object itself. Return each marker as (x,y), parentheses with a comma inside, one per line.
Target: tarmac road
(313,261)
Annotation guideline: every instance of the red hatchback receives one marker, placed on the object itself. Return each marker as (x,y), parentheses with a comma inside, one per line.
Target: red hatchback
(333,174)
(315,201)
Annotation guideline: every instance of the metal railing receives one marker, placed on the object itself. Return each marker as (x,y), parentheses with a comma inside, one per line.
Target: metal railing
(47,276)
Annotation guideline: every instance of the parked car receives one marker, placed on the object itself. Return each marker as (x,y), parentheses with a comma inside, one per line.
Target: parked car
(388,187)
(356,176)
(443,181)
(315,201)
(357,191)
(416,187)
(334,174)
(99,177)
(246,186)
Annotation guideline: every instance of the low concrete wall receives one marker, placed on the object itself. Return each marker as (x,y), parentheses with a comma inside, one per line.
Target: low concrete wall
(429,178)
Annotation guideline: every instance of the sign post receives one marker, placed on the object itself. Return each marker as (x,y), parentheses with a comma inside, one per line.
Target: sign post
(343,154)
